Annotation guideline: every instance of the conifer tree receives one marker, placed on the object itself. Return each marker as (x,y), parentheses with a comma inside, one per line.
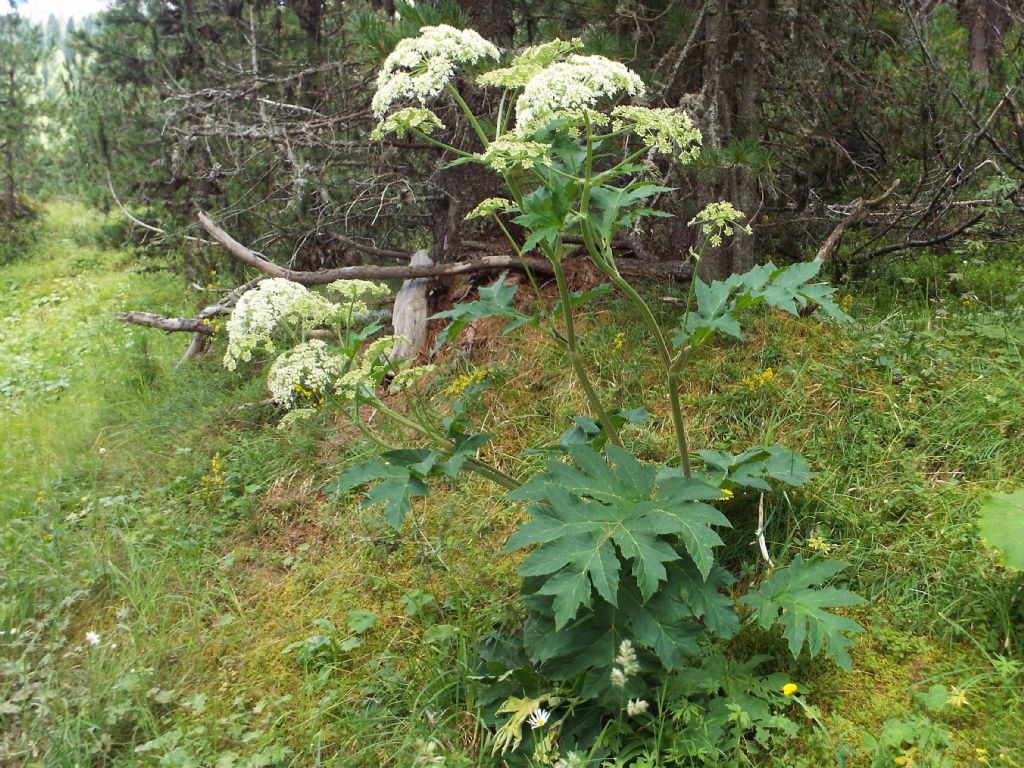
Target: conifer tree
(20,53)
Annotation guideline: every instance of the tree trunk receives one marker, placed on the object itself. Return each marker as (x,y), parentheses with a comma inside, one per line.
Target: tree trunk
(9,203)
(463,187)
(731,104)
(986,23)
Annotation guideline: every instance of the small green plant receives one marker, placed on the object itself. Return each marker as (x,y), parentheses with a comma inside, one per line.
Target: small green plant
(628,611)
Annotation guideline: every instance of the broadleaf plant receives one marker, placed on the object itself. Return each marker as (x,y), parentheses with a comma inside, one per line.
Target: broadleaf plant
(626,601)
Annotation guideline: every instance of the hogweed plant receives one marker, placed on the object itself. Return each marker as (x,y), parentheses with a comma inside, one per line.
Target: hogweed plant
(622,655)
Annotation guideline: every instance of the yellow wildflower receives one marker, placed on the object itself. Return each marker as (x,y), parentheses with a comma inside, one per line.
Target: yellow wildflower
(463,382)
(620,339)
(789,689)
(957,697)
(759,380)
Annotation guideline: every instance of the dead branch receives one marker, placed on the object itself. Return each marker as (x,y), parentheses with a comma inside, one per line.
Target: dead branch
(169,324)
(924,243)
(861,208)
(369,272)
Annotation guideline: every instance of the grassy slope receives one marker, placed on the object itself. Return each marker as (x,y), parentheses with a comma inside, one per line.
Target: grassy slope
(195,539)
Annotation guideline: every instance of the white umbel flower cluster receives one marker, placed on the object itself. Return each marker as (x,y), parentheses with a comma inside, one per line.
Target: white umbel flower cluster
(406,120)
(260,312)
(718,219)
(304,375)
(491,207)
(513,152)
(529,63)
(568,88)
(420,67)
(369,370)
(663,131)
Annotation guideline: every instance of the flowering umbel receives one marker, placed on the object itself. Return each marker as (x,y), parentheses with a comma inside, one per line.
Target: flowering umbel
(420,67)
(571,88)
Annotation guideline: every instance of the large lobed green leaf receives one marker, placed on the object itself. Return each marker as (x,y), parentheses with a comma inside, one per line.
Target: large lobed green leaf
(792,598)
(787,288)
(593,518)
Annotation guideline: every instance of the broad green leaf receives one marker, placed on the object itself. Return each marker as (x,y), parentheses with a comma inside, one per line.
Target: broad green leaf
(495,300)
(1001,524)
(589,432)
(720,303)
(396,487)
(662,624)
(755,467)
(704,597)
(684,500)
(359,620)
(592,515)
(466,447)
(789,597)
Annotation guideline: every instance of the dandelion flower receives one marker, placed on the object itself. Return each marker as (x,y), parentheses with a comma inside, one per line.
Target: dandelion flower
(789,689)
(538,718)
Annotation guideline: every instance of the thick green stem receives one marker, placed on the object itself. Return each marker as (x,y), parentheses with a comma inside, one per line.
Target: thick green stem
(672,378)
(575,358)
(469,114)
(441,144)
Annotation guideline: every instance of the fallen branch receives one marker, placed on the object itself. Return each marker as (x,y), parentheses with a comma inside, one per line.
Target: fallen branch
(169,324)
(938,240)
(369,272)
(861,208)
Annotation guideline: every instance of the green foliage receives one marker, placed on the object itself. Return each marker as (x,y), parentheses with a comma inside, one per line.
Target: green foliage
(593,520)
(496,300)
(789,598)
(1001,523)
(720,303)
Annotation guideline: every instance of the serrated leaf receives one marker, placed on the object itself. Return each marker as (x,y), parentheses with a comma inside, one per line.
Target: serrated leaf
(496,300)
(685,501)
(704,598)
(790,598)
(593,515)
(466,447)
(1001,524)
(756,466)
(396,487)
(662,624)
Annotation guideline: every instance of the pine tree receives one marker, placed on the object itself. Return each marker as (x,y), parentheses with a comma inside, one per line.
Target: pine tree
(21,50)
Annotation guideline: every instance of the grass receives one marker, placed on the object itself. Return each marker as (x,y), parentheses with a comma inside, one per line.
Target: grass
(144,505)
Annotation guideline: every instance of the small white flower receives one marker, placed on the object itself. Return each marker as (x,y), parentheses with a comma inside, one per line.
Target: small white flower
(538,718)
(636,707)
(618,678)
(627,658)
(92,638)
